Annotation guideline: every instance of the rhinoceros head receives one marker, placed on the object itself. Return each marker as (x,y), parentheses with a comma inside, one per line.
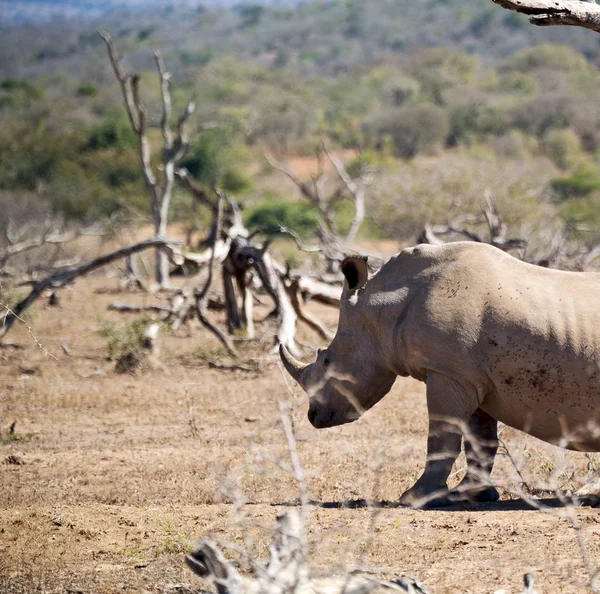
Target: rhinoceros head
(348,377)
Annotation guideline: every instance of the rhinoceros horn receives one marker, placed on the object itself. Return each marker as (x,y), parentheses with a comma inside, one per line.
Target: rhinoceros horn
(294,367)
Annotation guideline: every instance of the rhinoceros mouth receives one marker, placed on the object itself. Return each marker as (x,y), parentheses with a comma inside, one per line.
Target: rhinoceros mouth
(325,419)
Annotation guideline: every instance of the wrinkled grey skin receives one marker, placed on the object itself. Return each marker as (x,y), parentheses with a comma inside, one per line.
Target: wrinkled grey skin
(494,338)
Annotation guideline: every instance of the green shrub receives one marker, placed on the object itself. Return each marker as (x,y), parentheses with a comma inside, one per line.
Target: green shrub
(414,129)
(86,90)
(199,58)
(114,132)
(540,114)
(547,57)
(29,155)
(579,184)
(211,161)
(250,14)
(516,82)
(271,212)
(563,147)
(474,119)
(400,90)
(14,85)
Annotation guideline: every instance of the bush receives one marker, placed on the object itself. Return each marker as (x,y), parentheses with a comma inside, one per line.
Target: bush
(474,120)
(28,156)
(577,185)
(563,147)
(272,211)
(414,129)
(114,132)
(547,57)
(400,90)
(516,82)
(543,113)
(13,85)
(86,90)
(586,123)
(211,160)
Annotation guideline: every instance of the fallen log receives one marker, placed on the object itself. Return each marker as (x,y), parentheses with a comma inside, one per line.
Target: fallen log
(63,277)
(128,308)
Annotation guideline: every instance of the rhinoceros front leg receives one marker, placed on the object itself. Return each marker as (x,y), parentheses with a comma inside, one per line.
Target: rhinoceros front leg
(481,445)
(450,406)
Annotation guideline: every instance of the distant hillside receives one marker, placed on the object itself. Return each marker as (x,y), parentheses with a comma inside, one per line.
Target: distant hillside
(463,81)
(44,10)
(324,36)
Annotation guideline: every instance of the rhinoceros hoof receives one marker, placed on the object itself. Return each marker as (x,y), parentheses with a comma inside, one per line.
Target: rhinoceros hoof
(420,500)
(485,495)
(590,501)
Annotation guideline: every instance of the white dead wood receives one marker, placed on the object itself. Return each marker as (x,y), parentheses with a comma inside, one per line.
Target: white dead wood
(128,308)
(61,278)
(14,248)
(496,230)
(174,146)
(331,247)
(356,189)
(202,295)
(132,277)
(577,13)
(243,258)
(294,291)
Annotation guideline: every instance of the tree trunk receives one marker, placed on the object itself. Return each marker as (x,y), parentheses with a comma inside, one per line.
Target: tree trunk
(162,261)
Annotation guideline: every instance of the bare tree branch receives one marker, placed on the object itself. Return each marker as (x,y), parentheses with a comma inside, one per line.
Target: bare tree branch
(20,247)
(578,13)
(356,190)
(197,191)
(303,187)
(200,296)
(124,81)
(63,277)
(173,150)
(165,95)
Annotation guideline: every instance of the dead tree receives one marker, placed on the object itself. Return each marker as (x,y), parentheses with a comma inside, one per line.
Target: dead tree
(202,295)
(561,254)
(331,248)
(174,147)
(16,245)
(496,227)
(61,278)
(544,13)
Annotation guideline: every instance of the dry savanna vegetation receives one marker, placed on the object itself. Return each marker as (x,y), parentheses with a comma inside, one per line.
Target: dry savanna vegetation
(143,405)
(108,478)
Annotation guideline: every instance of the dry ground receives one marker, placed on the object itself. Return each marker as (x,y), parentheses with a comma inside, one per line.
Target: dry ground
(109,478)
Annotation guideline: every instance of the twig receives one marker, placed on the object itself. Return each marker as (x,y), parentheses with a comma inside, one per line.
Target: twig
(298,471)
(4,330)
(63,277)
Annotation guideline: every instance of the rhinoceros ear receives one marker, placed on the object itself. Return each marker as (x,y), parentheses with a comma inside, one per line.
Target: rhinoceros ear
(356,272)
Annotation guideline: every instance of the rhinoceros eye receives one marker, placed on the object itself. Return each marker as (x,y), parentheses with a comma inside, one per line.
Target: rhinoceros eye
(326,360)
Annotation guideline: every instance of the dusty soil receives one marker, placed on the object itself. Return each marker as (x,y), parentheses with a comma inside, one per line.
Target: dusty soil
(107,479)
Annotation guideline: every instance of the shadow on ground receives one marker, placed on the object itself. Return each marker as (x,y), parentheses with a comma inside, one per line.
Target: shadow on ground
(507,505)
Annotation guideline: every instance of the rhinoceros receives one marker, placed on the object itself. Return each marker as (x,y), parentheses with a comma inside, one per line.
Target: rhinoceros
(494,339)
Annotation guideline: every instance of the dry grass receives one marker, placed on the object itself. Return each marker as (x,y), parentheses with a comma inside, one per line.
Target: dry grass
(122,473)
